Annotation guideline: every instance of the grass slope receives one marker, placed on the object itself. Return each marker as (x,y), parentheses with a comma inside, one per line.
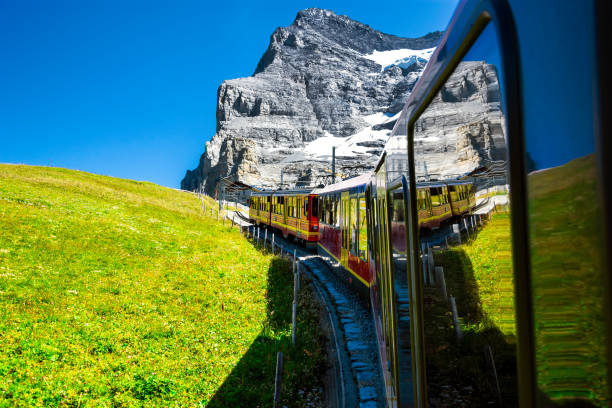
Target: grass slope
(479,275)
(120,293)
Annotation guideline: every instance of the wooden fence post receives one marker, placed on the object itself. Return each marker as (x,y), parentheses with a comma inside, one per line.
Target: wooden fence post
(424,267)
(457,230)
(278,379)
(456,318)
(441,281)
(430,266)
(296,280)
(493,372)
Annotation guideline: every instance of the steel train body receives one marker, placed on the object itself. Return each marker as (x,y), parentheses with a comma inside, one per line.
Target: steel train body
(556,169)
(554,189)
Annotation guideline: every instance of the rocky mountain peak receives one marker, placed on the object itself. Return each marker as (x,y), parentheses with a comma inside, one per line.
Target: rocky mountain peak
(325,80)
(340,30)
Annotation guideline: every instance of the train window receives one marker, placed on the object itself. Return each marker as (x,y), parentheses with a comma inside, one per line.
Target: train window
(567,251)
(324,210)
(461,138)
(353,227)
(363,230)
(315,206)
(398,207)
(336,220)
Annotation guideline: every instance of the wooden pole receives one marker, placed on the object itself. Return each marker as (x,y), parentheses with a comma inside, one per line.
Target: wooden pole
(278,379)
(493,372)
(296,278)
(430,266)
(441,281)
(424,267)
(456,318)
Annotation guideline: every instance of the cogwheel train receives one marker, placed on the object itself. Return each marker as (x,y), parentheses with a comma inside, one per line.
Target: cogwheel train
(493,130)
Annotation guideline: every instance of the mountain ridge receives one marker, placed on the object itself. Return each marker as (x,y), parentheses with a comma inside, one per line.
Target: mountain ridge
(317,85)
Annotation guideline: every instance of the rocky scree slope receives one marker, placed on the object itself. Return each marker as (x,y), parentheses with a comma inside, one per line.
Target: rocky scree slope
(325,80)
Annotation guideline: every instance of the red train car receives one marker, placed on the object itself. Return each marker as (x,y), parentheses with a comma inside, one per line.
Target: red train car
(343,228)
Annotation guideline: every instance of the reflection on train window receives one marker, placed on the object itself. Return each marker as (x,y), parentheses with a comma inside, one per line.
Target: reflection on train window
(363,230)
(460,153)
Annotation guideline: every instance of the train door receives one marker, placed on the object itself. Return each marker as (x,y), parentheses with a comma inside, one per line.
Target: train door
(284,209)
(299,212)
(344,227)
(387,291)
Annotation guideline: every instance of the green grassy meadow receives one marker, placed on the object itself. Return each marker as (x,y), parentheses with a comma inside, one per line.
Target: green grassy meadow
(122,293)
(486,262)
(479,276)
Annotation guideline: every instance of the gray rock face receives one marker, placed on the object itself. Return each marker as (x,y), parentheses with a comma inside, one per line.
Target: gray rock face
(464,127)
(325,80)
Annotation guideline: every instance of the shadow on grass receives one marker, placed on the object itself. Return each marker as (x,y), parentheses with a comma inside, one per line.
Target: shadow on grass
(458,370)
(251,382)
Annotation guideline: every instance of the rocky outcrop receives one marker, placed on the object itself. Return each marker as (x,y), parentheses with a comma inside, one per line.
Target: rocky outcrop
(324,81)
(463,129)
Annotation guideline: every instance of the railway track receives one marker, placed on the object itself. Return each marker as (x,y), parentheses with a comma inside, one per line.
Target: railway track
(355,379)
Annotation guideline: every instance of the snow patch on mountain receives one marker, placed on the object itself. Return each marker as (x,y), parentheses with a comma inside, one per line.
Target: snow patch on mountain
(402,58)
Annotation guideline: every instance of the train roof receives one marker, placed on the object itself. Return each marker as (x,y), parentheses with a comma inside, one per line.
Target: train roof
(345,184)
(295,191)
(442,183)
(431,185)
(262,193)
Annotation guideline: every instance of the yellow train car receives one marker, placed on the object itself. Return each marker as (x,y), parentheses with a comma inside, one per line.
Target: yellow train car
(462,197)
(259,208)
(433,205)
(295,213)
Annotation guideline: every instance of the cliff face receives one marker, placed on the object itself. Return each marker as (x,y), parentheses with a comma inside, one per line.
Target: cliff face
(324,81)
(463,128)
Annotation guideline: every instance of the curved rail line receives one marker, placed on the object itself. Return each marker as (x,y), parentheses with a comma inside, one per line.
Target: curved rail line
(355,346)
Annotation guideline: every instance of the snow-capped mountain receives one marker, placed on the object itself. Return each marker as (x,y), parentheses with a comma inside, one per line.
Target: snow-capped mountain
(325,80)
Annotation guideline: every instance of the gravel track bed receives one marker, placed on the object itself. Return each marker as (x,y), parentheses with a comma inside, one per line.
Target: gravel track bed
(353,330)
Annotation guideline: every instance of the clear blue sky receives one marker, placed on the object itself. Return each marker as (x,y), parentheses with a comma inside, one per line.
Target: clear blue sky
(128,88)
